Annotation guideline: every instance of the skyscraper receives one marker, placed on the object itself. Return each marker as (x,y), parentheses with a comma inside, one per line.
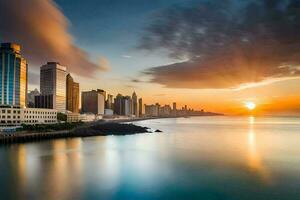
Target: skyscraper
(140,107)
(118,104)
(126,106)
(72,98)
(134,104)
(109,101)
(13,75)
(75,98)
(174,106)
(92,102)
(69,93)
(53,82)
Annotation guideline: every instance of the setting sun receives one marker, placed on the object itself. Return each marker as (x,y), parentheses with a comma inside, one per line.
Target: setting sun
(250,105)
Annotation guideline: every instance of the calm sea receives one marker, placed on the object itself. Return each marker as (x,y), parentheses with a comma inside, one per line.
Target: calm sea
(210,158)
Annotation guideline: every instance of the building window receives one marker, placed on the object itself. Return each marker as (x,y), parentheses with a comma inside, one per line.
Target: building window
(3,111)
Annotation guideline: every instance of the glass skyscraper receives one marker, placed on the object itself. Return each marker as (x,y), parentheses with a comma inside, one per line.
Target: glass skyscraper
(13,76)
(53,82)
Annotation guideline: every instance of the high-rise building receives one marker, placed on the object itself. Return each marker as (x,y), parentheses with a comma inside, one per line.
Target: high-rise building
(53,82)
(109,102)
(118,104)
(102,92)
(13,75)
(92,102)
(140,107)
(126,106)
(75,98)
(134,106)
(72,98)
(174,106)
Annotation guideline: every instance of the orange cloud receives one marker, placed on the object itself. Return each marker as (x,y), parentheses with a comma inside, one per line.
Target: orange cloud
(225,45)
(42,30)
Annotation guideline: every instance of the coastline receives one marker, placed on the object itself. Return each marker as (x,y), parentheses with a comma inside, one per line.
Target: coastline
(86,130)
(104,127)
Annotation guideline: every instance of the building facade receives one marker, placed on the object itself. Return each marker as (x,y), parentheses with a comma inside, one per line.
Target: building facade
(134,104)
(53,82)
(126,106)
(109,102)
(92,102)
(140,107)
(16,116)
(152,110)
(31,98)
(72,95)
(13,75)
(118,104)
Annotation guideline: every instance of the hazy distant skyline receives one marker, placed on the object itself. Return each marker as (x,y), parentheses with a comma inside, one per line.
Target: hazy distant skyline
(208,54)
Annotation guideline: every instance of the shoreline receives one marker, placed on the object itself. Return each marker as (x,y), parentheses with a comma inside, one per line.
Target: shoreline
(104,127)
(86,130)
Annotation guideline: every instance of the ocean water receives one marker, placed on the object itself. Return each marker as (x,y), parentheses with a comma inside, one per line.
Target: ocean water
(211,158)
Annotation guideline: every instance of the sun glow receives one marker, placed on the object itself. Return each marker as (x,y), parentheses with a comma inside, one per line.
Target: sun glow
(250,105)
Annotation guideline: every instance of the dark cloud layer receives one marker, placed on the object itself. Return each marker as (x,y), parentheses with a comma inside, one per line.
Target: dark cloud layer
(42,30)
(226,43)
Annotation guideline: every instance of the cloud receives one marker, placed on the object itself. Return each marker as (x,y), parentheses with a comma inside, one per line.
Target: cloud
(227,43)
(42,30)
(126,56)
(104,63)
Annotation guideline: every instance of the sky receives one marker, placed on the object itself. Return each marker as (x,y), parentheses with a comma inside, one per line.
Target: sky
(209,54)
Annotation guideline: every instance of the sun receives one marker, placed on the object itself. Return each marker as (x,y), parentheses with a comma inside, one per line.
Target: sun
(250,105)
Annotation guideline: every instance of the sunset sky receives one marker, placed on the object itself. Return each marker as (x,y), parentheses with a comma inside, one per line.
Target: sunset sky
(208,54)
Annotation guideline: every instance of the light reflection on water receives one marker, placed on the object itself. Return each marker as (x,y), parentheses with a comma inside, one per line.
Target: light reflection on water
(201,157)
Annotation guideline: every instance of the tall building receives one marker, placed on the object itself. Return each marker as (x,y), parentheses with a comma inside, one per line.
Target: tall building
(102,92)
(126,106)
(109,102)
(118,104)
(92,102)
(134,105)
(75,98)
(140,107)
(13,75)
(53,82)
(174,106)
(72,95)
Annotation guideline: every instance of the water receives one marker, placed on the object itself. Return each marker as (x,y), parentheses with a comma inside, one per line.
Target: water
(194,158)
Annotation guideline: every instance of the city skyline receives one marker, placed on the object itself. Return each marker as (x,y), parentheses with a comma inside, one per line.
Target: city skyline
(246,67)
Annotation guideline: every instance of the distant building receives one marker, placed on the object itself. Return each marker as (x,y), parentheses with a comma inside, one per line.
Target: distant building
(13,75)
(134,105)
(109,102)
(31,98)
(126,106)
(140,107)
(72,95)
(165,110)
(92,102)
(174,106)
(53,82)
(108,112)
(152,110)
(118,104)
